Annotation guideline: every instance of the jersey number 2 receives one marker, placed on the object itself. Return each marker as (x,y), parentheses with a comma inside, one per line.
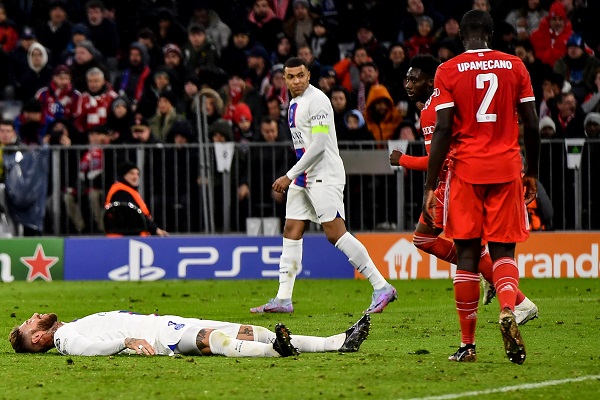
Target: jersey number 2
(487,98)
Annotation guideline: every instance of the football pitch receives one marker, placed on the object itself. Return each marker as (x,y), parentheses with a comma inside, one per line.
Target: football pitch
(405,356)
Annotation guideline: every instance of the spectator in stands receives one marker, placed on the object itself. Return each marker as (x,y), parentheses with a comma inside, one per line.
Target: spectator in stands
(482,5)
(18,59)
(314,67)
(369,77)
(103,31)
(356,129)
(79,33)
(276,86)
(299,26)
(95,101)
(92,168)
(526,18)
(536,68)
(549,40)
(414,10)
(199,51)
(591,125)
(233,57)
(86,58)
(504,38)
(133,79)
(547,128)
(340,102)
(552,85)
(59,99)
(366,38)
(174,60)
(323,43)
(243,130)
(181,192)
(212,102)
(237,91)
(422,41)
(347,70)
(155,55)
(393,72)
(258,68)
(217,32)
(382,117)
(161,82)
(284,49)
(264,24)
(578,67)
(166,115)
(31,125)
(167,29)
(447,49)
(37,75)
(278,112)
(568,116)
(328,80)
(9,35)
(120,119)
(449,32)
(125,190)
(592,100)
(55,33)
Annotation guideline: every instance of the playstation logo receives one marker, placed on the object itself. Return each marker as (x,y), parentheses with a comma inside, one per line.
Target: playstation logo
(140,268)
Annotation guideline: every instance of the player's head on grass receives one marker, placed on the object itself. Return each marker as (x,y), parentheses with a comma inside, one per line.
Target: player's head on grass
(35,335)
(476,29)
(297,76)
(419,77)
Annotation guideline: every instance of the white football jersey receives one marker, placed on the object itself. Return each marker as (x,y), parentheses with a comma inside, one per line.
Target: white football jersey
(104,333)
(309,114)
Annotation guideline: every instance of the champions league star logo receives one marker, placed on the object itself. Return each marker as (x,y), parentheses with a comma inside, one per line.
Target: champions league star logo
(140,268)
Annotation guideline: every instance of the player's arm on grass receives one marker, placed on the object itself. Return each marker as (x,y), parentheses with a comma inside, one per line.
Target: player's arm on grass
(69,342)
(440,144)
(532,148)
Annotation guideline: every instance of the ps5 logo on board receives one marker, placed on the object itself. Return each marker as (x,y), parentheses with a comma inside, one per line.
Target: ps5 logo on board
(140,268)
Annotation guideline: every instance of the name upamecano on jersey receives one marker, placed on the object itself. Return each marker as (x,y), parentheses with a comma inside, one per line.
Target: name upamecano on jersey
(484,65)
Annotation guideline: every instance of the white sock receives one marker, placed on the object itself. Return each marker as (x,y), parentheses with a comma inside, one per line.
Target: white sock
(305,344)
(223,344)
(290,265)
(359,257)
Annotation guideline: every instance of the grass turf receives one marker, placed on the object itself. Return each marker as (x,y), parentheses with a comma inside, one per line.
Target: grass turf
(404,357)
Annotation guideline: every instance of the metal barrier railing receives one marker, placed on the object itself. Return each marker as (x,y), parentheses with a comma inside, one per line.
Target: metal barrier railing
(187,195)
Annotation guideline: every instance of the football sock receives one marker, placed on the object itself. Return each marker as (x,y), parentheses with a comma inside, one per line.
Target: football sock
(485,267)
(359,257)
(466,296)
(506,281)
(441,248)
(290,264)
(304,344)
(223,344)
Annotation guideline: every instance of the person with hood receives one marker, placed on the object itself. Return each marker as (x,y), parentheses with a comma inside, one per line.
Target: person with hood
(132,81)
(176,63)
(37,75)
(381,116)
(166,115)
(323,43)
(356,128)
(120,119)
(217,32)
(167,29)
(578,67)
(125,190)
(199,52)
(549,40)
(55,32)
(264,24)
(155,55)
(95,102)
(79,33)
(161,82)
(234,56)
(18,57)
(59,99)
(213,103)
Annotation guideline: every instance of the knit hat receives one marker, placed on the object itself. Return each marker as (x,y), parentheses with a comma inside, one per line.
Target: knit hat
(172,48)
(99,130)
(221,126)
(592,117)
(182,128)
(61,69)
(259,51)
(575,40)
(28,33)
(88,45)
(170,96)
(81,29)
(557,10)
(32,105)
(328,72)
(140,122)
(547,122)
(125,167)
(119,101)
(242,112)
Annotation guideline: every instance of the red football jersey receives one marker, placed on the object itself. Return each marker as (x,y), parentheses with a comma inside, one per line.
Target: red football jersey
(484,87)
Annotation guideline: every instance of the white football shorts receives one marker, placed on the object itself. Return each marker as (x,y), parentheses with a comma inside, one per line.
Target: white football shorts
(318,203)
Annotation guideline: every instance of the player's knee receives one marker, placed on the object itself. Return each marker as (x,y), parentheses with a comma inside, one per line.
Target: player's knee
(423,242)
(203,341)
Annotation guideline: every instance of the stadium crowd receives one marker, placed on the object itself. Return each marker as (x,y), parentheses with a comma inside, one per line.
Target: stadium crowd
(136,72)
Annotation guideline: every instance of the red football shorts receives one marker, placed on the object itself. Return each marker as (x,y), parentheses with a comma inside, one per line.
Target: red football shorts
(440,193)
(493,212)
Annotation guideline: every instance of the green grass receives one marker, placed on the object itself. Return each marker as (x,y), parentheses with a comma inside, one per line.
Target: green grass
(404,357)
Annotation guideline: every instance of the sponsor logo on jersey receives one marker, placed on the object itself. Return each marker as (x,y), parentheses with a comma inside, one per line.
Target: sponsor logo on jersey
(292,115)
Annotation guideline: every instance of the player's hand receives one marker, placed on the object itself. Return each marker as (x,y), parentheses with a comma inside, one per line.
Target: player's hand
(161,233)
(140,346)
(429,202)
(395,158)
(281,184)
(279,198)
(530,184)
(243,191)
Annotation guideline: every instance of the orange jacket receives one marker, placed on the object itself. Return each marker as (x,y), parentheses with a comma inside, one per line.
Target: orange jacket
(387,127)
(119,186)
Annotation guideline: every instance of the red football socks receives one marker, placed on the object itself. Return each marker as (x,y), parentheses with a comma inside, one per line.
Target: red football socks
(466,296)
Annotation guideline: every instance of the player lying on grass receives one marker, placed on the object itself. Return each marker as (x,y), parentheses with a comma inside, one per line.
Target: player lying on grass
(113,332)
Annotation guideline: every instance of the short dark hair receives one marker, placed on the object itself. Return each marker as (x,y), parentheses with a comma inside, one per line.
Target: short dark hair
(477,21)
(17,341)
(526,44)
(294,62)
(4,121)
(368,64)
(426,63)
(94,4)
(267,120)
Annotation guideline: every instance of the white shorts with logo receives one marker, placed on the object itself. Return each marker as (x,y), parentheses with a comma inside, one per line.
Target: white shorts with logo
(318,203)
